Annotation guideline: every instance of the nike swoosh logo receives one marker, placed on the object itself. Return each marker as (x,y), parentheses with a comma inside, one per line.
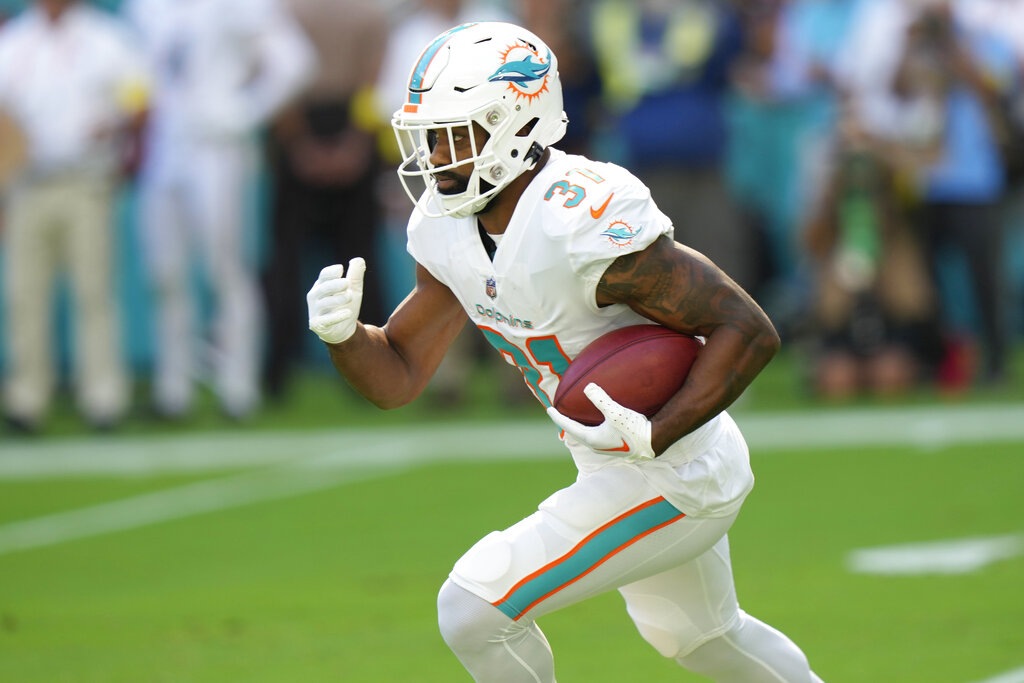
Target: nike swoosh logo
(597,213)
(624,448)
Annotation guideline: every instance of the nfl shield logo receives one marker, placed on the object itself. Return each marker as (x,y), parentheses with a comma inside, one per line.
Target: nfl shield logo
(492,288)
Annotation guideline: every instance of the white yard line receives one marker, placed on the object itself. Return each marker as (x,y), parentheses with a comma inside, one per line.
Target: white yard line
(297,466)
(1015,676)
(176,503)
(948,557)
(923,428)
(231,450)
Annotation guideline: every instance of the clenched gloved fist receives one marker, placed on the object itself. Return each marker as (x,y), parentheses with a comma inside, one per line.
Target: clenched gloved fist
(624,432)
(334,301)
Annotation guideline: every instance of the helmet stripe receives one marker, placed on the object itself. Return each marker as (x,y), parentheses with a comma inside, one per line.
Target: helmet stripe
(416,81)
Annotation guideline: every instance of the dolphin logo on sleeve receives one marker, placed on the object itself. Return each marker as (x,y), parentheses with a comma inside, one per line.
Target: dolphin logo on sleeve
(621,233)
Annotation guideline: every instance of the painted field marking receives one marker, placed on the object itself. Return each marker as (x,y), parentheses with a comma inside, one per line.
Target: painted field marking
(1015,676)
(353,458)
(175,503)
(155,455)
(923,428)
(957,556)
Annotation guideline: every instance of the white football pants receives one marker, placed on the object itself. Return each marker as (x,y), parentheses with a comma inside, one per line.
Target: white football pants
(610,530)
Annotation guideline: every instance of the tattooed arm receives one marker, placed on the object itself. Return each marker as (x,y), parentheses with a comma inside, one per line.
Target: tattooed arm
(680,288)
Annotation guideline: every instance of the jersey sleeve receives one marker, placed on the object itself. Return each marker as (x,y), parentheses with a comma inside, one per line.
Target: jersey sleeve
(423,244)
(628,223)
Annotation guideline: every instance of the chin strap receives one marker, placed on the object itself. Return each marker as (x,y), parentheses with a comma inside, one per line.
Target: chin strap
(534,153)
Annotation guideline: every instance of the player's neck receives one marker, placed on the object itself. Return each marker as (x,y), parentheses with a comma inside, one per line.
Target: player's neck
(496,218)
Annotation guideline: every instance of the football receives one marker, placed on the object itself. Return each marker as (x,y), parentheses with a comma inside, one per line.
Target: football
(640,366)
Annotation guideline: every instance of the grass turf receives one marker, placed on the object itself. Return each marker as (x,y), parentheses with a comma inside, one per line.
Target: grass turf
(340,584)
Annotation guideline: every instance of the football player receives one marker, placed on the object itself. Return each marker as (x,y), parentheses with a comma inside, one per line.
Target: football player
(544,252)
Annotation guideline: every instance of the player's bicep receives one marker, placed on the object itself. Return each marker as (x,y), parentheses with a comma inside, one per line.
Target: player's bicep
(677,287)
(424,325)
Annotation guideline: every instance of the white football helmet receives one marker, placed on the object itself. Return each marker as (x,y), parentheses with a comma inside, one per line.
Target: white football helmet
(497,75)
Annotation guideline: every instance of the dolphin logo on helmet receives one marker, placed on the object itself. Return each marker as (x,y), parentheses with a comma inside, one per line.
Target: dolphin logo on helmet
(522,71)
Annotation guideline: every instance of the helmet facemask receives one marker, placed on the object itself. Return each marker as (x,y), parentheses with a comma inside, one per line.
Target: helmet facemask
(463,83)
(488,175)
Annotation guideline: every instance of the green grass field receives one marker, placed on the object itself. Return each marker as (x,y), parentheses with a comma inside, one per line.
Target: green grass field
(290,551)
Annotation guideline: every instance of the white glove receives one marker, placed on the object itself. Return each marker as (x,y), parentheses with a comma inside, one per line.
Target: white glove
(624,432)
(334,301)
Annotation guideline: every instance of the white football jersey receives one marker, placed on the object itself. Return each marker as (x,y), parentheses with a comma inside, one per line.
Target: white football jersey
(536,303)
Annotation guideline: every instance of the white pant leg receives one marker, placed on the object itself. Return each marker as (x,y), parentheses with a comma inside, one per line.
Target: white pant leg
(609,529)
(679,609)
(218,190)
(606,530)
(164,223)
(690,613)
(513,652)
(750,652)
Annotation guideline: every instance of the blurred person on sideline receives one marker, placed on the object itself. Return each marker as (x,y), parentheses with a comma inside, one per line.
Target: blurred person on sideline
(781,116)
(75,84)
(409,32)
(222,69)
(874,302)
(961,189)
(324,162)
(1005,19)
(544,252)
(666,117)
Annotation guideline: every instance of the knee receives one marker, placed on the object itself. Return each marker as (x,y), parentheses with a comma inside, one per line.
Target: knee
(460,616)
(468,622)
(672,642)
(451,616)
(674,632)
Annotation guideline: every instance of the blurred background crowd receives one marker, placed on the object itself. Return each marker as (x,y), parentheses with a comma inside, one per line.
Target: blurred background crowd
(174,173)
